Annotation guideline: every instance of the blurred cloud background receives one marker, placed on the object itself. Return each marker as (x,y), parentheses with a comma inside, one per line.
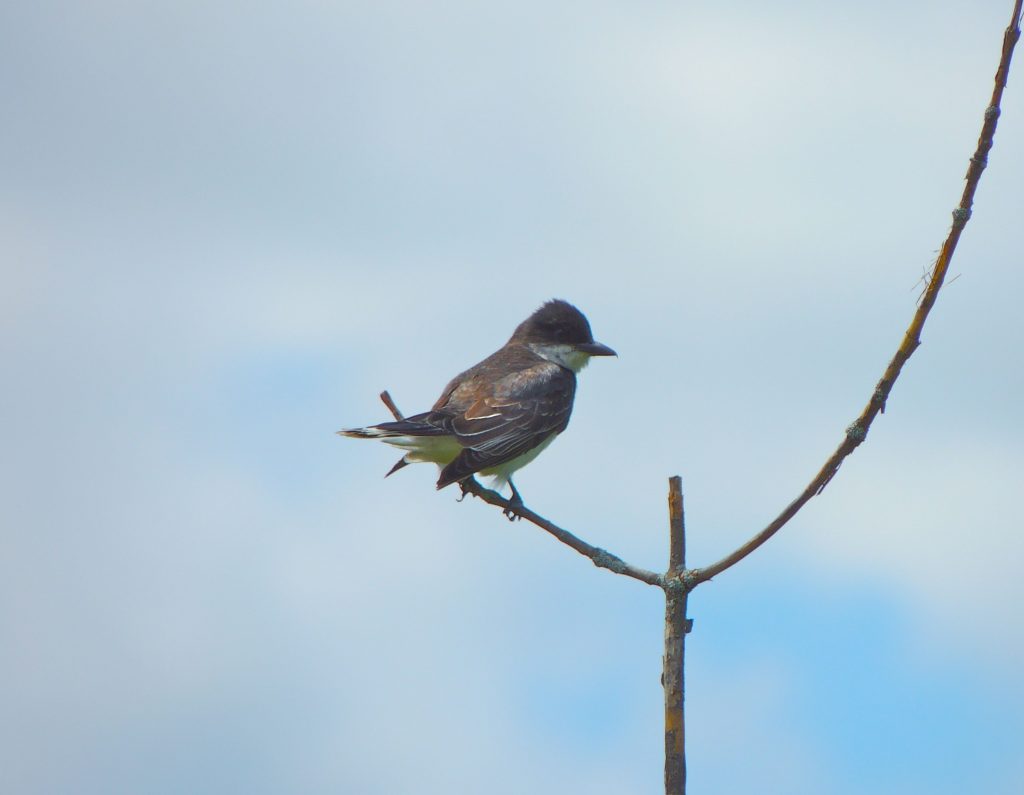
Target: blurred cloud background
(224,228)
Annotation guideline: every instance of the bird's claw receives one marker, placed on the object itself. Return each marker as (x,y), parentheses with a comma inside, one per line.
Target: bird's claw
(510,509)
(514,503)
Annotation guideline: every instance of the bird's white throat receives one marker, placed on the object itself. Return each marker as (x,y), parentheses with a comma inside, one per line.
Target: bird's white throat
(562,355)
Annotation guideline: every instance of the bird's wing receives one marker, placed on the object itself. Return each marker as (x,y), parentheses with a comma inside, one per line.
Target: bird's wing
(508,418)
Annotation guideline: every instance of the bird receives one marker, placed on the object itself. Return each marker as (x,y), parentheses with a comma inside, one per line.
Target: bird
(501,413)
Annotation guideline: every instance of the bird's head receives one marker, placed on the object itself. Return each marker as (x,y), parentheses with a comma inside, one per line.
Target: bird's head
(560,333)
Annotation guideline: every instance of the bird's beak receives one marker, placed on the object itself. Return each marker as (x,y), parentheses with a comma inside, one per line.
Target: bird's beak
(595,349)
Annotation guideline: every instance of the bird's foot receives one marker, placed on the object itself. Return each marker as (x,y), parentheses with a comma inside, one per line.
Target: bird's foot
(515,502)
(464,486)
(510,510)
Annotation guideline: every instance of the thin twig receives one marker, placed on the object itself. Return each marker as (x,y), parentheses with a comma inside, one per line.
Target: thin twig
(857,432)
(385,396)
(600,557)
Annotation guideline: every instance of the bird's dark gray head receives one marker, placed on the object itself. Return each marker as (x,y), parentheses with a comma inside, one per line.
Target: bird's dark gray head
(556,322)
(558,331)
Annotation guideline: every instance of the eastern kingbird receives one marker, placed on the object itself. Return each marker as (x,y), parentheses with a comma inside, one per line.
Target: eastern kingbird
(499,415)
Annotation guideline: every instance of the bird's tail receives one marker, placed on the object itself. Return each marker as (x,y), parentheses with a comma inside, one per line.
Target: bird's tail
(414,426)
(372,432)
(382,433)
(423,440)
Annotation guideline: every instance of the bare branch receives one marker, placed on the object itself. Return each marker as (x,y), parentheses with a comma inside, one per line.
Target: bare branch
(676,627)
(857,432)
(600,557)
(676,526)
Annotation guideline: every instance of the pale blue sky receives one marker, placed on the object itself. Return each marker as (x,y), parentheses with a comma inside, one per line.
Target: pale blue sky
(225,228)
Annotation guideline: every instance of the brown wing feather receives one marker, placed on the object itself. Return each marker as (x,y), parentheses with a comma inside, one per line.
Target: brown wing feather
(509,417)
